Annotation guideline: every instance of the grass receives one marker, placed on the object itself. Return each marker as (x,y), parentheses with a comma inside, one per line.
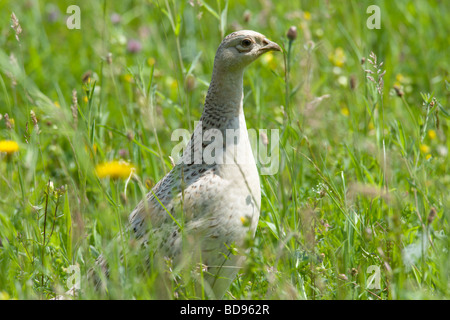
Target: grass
(361,188)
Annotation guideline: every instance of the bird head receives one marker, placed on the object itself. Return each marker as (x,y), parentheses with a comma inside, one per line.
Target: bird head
(241,48)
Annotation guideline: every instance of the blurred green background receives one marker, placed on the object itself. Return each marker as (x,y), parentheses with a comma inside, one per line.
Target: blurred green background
(363,174)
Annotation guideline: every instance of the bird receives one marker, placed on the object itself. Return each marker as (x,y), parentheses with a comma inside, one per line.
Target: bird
(205,207)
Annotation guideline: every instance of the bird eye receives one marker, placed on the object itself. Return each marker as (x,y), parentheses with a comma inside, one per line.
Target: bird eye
(246,42)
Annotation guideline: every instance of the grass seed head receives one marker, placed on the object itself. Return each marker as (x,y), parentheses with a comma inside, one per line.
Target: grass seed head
(398,91)
(74,107)
(8,122)
(431,215)
(16,25)
(35,122)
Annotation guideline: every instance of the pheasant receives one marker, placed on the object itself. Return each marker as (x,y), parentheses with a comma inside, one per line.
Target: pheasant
(210,201)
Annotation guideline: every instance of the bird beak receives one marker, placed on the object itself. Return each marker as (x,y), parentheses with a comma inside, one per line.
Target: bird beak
(269,46)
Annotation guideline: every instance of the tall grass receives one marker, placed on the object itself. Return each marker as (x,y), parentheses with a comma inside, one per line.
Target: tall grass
(363,173)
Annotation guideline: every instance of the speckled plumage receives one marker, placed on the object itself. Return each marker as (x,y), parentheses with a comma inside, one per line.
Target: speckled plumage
(218,204)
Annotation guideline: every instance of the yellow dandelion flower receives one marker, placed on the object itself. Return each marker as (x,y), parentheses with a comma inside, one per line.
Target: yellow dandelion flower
(428,156)
(345,111)
(337,57)
(91,151)
(128,78)
(172,83)
(424,148)
(151,61)
(398,82)
(245,221)
(307,15)
(268,60)
(401,80)
(432,134)
(114,169)
(8,146)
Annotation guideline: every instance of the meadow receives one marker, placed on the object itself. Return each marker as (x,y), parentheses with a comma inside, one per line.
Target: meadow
(358,207)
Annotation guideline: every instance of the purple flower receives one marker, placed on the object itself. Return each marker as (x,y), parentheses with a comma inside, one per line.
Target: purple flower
(53,16)
(52,13)
(115,18)
(123,153)
(134,46)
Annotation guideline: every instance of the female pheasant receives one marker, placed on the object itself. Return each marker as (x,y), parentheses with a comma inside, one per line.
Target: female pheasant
(210,201)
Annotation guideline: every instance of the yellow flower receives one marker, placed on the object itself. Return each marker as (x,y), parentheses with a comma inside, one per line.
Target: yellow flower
(307,15)
(8,146)
(268,60)
(114,169)
(337,57)
(151,61)
(345,111)
(172,83)
(56,103)
(432,134)
(428,156)
(128,78)
(424,148)
(400,80)
(85,99)
(245,221)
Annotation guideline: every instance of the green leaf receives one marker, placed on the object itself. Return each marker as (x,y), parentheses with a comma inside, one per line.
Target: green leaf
(210,10)
(223,19)
(401,137)
(444,112)
(68,220)
(178,26)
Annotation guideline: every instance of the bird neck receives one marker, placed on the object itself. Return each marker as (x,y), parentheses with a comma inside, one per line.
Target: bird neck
(222,123)
(224,98)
